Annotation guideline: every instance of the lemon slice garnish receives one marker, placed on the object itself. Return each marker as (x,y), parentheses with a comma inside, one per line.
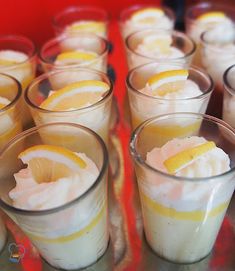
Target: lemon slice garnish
(167,81)
(49,163)
(177,161)
(75,56)
(88,26)
(6,62)
(212,16)
(76,95)
(147,15)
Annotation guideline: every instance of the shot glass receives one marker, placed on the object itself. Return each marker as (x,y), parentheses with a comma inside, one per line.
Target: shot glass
(75,234)
(195,27)
(60,52)
(10,108)
(127,26)
(95,116)
(229,96)
(217,54)
(143,106)
(18,59)
(82,19)
(179,41)
(182,215)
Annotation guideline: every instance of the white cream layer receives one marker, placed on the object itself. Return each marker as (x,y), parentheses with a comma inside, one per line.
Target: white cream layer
(30,195)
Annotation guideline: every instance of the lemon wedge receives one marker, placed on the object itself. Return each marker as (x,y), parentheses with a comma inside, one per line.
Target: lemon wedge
(76,95)
(177,161)
(147,15)
(167,81)
(88,26)
(212,16)
(75,57)
(49,163)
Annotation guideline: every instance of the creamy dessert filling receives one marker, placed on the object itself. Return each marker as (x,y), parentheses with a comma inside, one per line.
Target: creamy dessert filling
(147,18)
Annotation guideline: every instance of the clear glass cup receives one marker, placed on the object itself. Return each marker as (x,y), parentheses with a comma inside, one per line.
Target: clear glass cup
(179,40)
(73,235)
(95,116)
(194,29)
(62,21)
(217,54)
(143,106)
(229,96)
(127,27)
(182,215)
(10,114)
(22,70)
(82,42)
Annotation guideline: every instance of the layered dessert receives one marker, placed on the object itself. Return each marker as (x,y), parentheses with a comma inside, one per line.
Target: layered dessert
(184,202)
(86,102)
(216,20)
(67,236)
(17,64)
(78,50)
(3,234)
(165,92)
(157,45)
(9,124)
(146,17)
(218,52)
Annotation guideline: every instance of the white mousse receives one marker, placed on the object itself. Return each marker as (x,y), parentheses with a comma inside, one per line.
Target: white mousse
(182,217)
(69,238)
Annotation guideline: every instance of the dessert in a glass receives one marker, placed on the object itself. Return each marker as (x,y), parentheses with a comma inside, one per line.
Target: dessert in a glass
(57,194)
(75,50)
(18,59)
(82,19)
(217,54)
(10,108)
(150,45)
(185,185)
(74,95)
(139,17)
(160,88)
(204,16)
(229,96)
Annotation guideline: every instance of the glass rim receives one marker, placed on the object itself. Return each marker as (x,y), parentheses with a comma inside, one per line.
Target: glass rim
(44,76)
(173,33)
(99,178)
(136,7)
(192,68)
(226,83)
(206,4)
(20,38)
(138,158)
(214,47)
(70,9)
(53,42)
(17,96)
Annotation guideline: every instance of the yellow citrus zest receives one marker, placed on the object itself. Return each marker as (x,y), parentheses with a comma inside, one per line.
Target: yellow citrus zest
(212,15)
(147,15)
(88,26)
(76,56)
(48,163)
(180,159)
(7,62)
